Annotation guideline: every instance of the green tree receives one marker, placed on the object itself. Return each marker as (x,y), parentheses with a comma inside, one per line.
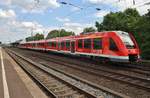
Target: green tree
(144,27)
(59,33)
(88,29)
(129,21)
(125,21)
(36,37)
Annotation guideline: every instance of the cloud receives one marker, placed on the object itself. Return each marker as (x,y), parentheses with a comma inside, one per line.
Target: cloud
(124,4)
(5,2)
(53,3)
(74,9)
(14,29)
(7,13)
(75,27)
(101,13)
(62,19)
(33,25)
(69,26)
(33,6)
(102,1)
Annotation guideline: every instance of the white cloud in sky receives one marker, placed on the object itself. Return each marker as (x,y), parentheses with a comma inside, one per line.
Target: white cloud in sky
(69,26)
(31,5)
(7,13)
(53,3)
(123,4)
(74,9)
(13,29)
(5,2)
(101,13)
(62,19)
(75,27)
(30,25)
(102,1)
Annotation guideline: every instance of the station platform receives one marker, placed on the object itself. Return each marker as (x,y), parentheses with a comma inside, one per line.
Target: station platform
(14,82)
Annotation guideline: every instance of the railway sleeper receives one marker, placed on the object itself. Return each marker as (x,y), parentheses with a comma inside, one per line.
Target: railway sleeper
(63,91)
(54,85)
(122,78)
(54,82)
(70,94)
(59,87)
(79,96)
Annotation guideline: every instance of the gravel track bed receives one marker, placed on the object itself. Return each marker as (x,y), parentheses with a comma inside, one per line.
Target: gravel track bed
(54,85)
(119,87)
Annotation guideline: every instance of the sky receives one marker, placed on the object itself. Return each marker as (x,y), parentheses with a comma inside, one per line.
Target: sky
(19,17)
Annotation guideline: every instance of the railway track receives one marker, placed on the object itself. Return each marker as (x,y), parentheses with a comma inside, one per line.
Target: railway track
(132,80)
(135,81)
(144,71)
(123,67)
(60,85)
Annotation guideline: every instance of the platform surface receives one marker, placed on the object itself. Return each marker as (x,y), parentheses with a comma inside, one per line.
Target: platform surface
(11,85)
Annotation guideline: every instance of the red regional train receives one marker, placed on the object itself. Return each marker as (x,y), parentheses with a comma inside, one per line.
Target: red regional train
(116,46)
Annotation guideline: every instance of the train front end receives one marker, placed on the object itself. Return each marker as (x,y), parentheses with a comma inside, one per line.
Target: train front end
(131,48)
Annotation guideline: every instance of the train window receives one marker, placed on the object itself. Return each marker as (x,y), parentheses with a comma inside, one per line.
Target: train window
(87,43)
(67,44)
(54,44)
(50,44)
(97,43)
(59,44)
(41,44)
(35,44)
(62,44)
(80,43)
(112,45)
(38,44)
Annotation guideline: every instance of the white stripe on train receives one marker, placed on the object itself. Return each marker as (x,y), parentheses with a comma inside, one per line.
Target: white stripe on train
(112,58)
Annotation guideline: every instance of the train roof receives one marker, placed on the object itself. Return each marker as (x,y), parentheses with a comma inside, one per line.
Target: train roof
(85,36)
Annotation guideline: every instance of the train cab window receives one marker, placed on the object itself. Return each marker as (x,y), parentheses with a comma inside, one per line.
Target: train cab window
(80,43)
(97,43)
(112,45)
(87,43)
(67,44)
(127,40)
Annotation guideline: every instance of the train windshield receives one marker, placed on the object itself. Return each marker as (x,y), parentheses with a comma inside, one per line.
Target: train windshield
(125,37)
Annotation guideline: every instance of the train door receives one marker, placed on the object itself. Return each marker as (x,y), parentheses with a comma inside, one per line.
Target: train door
(72,46)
